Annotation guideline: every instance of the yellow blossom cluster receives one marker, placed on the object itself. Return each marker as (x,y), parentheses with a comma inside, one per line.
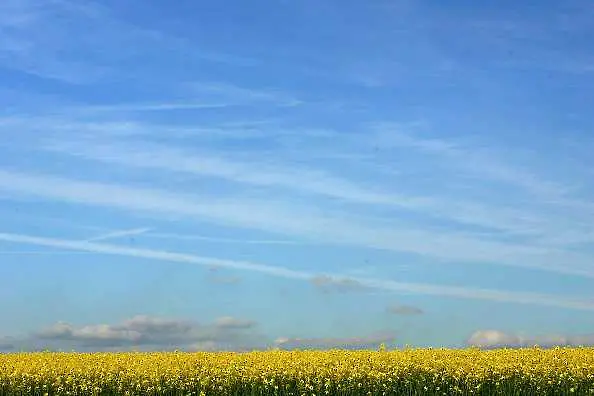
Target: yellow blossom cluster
(527,371)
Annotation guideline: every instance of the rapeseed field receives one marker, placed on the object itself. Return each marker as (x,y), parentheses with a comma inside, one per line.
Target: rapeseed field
(527,371)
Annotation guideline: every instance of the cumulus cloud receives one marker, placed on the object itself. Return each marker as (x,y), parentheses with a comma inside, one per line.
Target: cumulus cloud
(101,334)
(229,322)
(404,310)
(157,326)
(498,339)
(328,284)
(367,342)
(150,333)
(146,332)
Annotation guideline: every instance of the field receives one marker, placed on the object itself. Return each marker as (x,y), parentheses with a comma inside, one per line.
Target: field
(529,371)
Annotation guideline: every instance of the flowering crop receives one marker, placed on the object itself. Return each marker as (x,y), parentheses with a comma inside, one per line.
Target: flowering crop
(528,371)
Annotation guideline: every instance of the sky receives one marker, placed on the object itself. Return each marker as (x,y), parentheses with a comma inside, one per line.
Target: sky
(231,175)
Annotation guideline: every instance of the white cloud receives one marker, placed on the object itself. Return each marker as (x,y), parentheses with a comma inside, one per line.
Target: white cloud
(148,332)
(379,284)
(145,323)
(500,339)
(97,334)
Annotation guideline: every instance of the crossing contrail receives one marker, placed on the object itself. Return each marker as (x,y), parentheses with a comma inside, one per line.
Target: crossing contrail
(378,284)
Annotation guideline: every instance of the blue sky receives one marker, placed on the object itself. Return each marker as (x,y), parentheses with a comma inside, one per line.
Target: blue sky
(234,175)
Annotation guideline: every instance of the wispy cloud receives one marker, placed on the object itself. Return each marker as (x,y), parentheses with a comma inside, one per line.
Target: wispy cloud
(379,284)
(545,223)
(473,159)
(196,96)
(298,179)
(539,206)
(206,164)
(244,95)
(157,106)
(36,44)
(305,222)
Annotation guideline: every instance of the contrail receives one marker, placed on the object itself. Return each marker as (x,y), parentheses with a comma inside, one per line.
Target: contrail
(119,234)
(152,254)
(194,237)
(40,252)
(380,284)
